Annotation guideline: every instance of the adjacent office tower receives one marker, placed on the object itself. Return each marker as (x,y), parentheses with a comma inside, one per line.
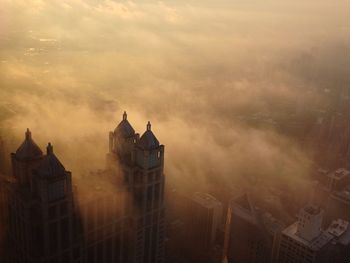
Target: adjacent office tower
(140,162)
(40,207)
(203,220)
(252,235)
(305,241)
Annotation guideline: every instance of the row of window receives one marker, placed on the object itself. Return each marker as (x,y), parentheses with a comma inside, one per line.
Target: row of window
(113,249)
(58,210)
(103,211)
(141,178)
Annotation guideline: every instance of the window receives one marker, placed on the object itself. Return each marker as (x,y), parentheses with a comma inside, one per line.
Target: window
(156,194)
(53,237)
(100,251)
(52,212)
(126,177)
(66,257)
(109,250)
(63,208)
(149,193)
(153,159)
(65,233)
(139,197)
(91,254)
(76,253)
(57,190)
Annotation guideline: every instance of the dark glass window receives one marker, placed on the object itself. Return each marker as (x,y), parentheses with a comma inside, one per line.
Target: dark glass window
(52,212)
(63,209)
(149,196)
(65,233)
(53,237)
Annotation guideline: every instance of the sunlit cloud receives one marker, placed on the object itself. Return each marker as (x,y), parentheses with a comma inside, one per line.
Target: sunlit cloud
(200,71)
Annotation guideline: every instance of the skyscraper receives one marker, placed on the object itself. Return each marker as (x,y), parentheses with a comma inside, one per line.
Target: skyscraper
(140,161)
(203,221)
(40,207)
(252,235)
(305,241)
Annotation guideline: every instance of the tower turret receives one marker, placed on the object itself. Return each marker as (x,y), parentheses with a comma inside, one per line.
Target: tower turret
(28,150)
(149,153)
(52,180)
(122,140)
(25,159)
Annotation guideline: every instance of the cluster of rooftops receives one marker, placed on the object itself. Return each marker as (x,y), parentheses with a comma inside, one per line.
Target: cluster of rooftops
(51,166)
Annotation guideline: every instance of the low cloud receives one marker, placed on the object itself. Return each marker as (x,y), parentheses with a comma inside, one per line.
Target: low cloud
(204,74)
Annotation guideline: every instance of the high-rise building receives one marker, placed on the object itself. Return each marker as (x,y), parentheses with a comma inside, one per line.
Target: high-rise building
(194,227)
(332,193)
(204,219)
(338,205)
(40,207)
(104,210)
(303,241)
(337,179)
(252,235)
(306,242)
(140,162)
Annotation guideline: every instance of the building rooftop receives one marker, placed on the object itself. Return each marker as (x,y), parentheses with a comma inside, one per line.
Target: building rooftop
(243,201)
(243,208)
(312,210)
(206,200)
(338,227)
(339,174)
(316,244)
(344,239)
(322,171)
(272,225)
(343,194)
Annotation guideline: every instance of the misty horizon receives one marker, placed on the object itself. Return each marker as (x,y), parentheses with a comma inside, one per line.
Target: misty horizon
(239,92)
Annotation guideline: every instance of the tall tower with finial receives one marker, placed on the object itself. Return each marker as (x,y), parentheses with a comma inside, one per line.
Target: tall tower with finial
(149,195)
(141,161)
(42,221)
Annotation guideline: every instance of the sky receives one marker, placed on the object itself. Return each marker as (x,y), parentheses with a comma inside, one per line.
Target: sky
(195,69)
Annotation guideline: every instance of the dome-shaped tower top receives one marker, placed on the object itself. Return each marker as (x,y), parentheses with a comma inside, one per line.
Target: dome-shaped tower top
(50,165)
(124,128)
(148,140)
(28,149)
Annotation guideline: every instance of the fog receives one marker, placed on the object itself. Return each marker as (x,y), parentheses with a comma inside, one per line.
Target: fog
(196,69)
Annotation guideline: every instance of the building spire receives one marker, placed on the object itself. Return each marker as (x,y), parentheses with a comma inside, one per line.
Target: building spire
(49,149)
(148,126)
(125,116)
(28,134)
